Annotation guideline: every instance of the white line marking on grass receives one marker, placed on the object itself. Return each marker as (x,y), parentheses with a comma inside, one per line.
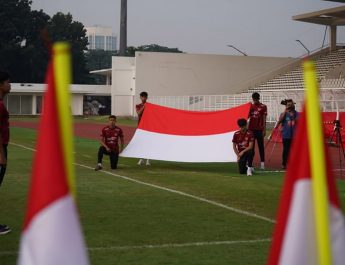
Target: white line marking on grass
(239,211)
(185,194)
(8,253)
(24,147)
(172,245)
(268,171)
(192,244)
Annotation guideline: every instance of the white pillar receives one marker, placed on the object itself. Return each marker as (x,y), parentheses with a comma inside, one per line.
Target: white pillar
(34,105)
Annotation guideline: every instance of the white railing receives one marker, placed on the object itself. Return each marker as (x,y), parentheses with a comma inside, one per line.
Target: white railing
(331,101)
(217,102)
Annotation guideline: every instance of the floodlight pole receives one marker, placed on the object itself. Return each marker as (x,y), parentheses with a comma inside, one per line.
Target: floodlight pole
(303,46)
(123,28)
(232,46)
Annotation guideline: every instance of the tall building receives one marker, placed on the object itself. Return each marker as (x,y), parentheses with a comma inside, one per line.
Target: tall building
(101,38)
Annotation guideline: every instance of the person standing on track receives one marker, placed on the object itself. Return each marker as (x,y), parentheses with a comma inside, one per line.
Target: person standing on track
(140,111)
(257,124)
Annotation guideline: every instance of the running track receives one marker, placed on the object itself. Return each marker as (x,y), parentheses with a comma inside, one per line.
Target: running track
(273,150)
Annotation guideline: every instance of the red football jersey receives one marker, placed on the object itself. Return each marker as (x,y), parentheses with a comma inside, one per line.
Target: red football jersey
(138,107)
(4,123)
(242,140)
(111,137)
(256,115)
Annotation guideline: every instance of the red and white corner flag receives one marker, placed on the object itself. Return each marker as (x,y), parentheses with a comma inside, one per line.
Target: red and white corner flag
(186,136)
(52,234)
(310,228)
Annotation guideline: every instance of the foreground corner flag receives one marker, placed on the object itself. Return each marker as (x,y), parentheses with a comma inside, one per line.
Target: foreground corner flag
(310,227)
(52,234)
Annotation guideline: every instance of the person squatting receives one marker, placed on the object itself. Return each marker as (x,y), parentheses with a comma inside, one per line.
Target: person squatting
(243,145)
(109,140)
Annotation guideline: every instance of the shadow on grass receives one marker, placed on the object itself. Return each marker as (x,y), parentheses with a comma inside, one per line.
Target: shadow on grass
(161,166)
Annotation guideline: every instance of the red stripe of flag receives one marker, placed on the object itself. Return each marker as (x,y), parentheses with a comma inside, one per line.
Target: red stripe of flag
(165,120)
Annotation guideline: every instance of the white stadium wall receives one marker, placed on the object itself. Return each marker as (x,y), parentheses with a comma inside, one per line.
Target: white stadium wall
(123,86)
(161,74)
(26,99)
(178,74)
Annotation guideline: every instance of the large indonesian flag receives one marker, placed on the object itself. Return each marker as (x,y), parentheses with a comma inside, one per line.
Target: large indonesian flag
(52,233)
(186,136)
(310,227)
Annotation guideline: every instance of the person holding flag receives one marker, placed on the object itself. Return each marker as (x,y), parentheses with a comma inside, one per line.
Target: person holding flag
(140,111)
(257,124)
(243,142)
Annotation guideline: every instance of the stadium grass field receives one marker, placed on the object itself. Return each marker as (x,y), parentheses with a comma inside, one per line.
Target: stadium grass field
(168,213)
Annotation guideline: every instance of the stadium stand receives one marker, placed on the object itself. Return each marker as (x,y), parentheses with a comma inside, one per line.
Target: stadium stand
(289,84)
(325,60)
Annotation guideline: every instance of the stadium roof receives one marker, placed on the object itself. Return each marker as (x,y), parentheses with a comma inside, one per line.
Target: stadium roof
(329,17)
(341,1)
(106,72)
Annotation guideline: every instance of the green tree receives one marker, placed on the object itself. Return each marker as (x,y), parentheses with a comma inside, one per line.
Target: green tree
(99,59)
(20,52)
(35,52)
(63,28)
(96,60)
(151,48)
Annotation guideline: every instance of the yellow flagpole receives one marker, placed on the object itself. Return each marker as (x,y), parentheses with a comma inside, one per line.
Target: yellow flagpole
(318,164)
(62,78)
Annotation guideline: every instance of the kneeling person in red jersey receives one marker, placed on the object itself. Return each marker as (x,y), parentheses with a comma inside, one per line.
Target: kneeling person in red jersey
(110,143)
(243,143)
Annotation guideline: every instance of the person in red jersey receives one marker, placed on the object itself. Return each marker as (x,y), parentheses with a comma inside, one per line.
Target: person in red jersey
(110,143)
(243,143)
(140,110)
(141,107)
(257,124)
(5,88)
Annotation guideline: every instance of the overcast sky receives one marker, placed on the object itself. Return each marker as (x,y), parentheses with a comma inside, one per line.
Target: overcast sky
(257,27)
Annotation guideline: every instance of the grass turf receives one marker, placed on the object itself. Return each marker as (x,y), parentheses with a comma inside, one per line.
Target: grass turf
(125,222)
